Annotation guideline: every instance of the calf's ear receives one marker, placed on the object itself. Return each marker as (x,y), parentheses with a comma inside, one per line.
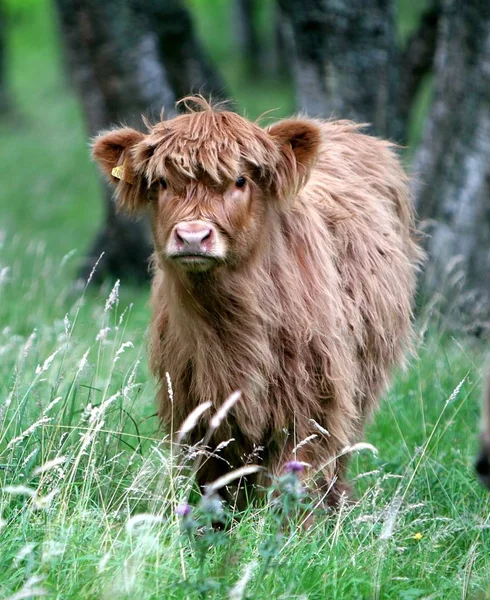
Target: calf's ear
(298,142)
(114,153)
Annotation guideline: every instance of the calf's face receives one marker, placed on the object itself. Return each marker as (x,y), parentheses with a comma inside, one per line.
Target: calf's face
(209,179)
(202,224)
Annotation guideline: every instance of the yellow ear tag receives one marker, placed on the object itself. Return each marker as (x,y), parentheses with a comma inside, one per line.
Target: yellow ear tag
(118,172)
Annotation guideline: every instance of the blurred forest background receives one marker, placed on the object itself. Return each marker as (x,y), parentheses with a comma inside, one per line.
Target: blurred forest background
(417,70)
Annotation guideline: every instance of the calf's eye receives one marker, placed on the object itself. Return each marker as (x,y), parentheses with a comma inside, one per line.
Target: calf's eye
(240,182)
(163,183)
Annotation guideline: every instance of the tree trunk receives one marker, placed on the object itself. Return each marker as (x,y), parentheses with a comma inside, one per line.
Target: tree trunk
(452,164)
(189,69)
(346,60)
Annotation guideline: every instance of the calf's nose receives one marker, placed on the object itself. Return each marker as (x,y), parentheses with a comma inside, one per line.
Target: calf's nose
(193,236)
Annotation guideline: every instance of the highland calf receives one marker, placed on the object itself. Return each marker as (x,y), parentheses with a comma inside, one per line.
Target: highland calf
(285,267)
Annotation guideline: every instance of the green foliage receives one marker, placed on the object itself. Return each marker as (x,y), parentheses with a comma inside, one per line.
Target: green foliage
(89,485)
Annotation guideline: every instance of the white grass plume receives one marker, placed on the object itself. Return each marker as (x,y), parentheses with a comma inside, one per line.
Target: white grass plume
(237,592)
(113,296)
(192,420)
(50,464)
(224,409)
(229,477)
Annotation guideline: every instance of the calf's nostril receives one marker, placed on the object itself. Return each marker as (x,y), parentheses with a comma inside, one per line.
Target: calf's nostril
(191,237)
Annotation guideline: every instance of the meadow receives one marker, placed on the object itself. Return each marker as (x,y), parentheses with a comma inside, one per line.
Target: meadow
(90,487)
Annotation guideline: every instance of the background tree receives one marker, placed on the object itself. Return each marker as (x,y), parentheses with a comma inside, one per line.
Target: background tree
(121,62)
(346,60)
(452,163)
(188,67)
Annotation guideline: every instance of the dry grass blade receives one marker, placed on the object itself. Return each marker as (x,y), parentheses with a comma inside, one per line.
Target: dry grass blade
(358,447)
(192,419)
(51,464)
(225,409)
(229,477)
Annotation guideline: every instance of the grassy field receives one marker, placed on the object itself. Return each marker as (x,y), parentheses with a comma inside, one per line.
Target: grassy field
(89,486)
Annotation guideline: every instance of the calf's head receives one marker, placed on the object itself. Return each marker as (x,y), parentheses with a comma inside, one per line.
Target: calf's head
(210,179)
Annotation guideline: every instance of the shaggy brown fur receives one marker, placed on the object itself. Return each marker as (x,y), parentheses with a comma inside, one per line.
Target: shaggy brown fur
(482,465)
(306,308)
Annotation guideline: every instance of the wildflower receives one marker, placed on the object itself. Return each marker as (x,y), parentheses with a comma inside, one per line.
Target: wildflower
(183,510)
(418,536)
(294,466)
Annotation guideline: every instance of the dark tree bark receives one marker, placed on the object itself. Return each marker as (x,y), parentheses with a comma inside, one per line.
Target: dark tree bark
(346,60)
(189,69)
(452,164)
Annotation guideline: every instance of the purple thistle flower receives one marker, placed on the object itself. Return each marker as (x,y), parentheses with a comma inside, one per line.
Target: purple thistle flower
(294,466)
(183,510)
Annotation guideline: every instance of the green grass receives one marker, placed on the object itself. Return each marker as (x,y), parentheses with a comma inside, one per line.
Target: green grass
(419,530)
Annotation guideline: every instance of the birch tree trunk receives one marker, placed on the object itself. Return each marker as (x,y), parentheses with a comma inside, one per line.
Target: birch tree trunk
(452,164)
(346,60)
